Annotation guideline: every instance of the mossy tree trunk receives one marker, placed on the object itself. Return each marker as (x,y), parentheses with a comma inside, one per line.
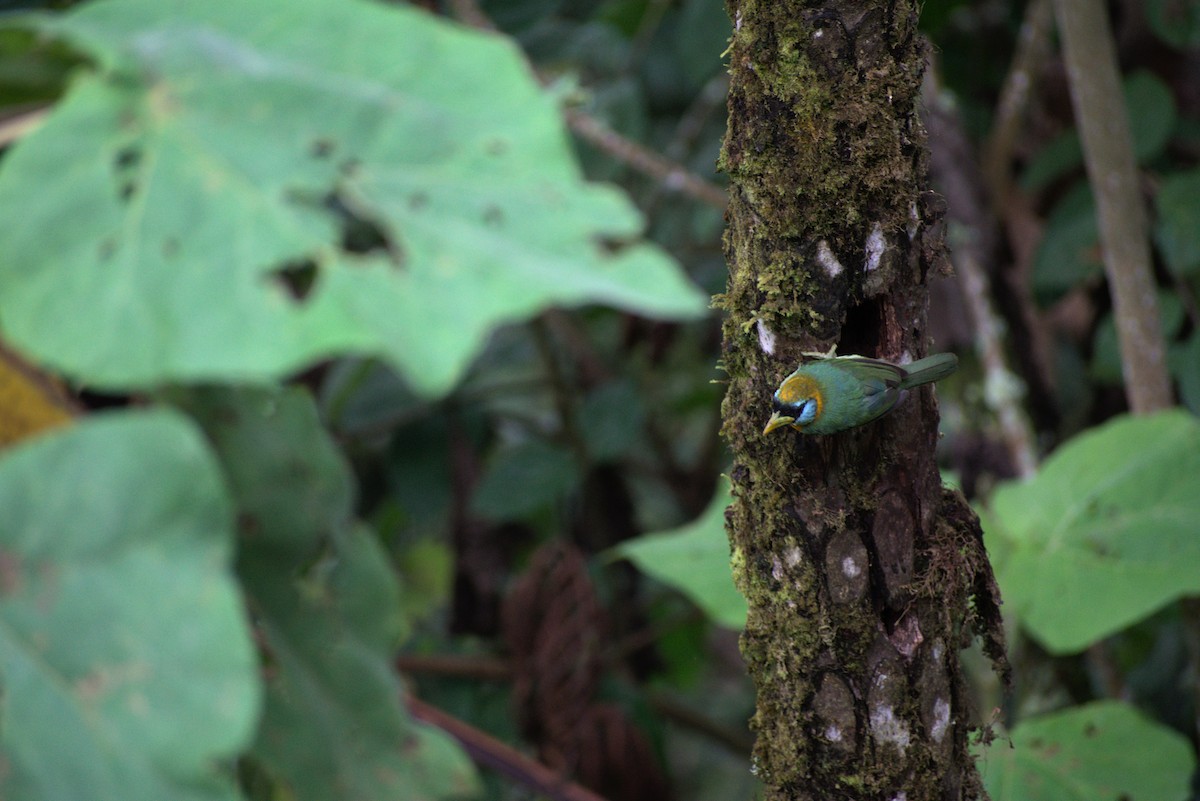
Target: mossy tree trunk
(864,576)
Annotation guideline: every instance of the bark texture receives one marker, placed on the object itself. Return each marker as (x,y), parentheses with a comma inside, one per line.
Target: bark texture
(864,576)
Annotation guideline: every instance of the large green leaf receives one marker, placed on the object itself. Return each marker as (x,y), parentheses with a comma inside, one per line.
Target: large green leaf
(1104,534)
(240,188)
(1177,229)
(694,559)
(125,658)
(1152,116)
(1104,751)
(523,478)
(1176,22)
(328,607)
(1069,253)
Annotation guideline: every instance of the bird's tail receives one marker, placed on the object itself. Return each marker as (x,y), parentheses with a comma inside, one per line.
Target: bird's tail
(931,368)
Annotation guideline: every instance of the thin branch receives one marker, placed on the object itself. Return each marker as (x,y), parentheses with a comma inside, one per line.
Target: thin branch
(691,123)
(1003,390)
(22,124)
(562,389)
(1100,115)
(489,752)
(1033,49)
(972,237)
(673,176)
(737,742)
(469,12)
(487,668)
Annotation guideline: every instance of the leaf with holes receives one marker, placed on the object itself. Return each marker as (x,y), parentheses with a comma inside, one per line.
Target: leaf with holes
(1105,533)
(125,656)
(237,189)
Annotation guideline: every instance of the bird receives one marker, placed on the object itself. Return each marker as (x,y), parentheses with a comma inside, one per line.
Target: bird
(836,393)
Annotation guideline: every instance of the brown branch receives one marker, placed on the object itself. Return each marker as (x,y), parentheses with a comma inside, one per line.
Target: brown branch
(19,125)
(692,121)
(469,12)
(737,742)
(1002,390)
(489,752)
(1033,48)
(959,177)
(458,665)
(673,176)
(1100,115)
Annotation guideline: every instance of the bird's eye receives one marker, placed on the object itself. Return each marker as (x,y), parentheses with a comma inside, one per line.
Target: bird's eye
(808,412)
(776,404)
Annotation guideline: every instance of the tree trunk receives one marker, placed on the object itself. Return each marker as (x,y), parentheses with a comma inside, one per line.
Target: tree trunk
(864,576)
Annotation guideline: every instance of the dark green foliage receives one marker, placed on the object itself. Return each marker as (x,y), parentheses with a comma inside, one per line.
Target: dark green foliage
(382,342)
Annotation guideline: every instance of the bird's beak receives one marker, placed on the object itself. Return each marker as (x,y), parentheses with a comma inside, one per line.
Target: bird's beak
(777,421)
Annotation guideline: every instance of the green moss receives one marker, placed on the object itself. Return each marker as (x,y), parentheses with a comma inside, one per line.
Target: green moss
(821,151)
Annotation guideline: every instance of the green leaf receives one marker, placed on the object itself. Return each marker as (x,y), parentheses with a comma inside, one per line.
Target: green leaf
(1177,230)
(1069,253)
(125,656)
(1176,22)
(1152,116)
(694,559)
(328,608)
(704,31)
(1184,361)
(611,419)
(1104,534)
(1105,751)
(1059,156)
(523,478)
(238,189)
(427,571)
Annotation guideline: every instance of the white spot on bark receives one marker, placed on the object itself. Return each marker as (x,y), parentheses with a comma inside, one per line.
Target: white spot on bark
(818,33)
(826,259)
(737,20)
(766,338)
(900,796)
(941,719)
(914,221)
(850,568)
(776,569)
(888,728)
(833,734)
(876,245)
(937,651)
(792,556)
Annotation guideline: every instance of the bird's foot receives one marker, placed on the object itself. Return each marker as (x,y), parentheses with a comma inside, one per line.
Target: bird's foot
(816,354)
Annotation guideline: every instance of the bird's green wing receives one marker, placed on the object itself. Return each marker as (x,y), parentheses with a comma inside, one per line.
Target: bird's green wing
(878,380)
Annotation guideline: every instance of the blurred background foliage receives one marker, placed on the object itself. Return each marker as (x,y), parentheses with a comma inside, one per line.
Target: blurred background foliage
(554,522)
